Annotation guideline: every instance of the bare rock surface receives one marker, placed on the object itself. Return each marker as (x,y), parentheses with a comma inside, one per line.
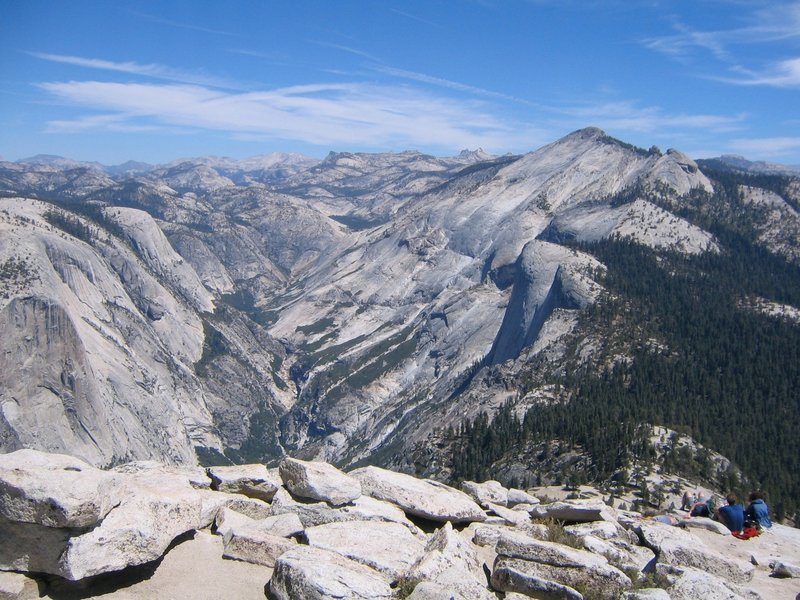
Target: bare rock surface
(390,548)
(451,560)
(488,492)
(253,544)
(157,532)
(316,574)
(574,511)
(54,490)
(419,497)
(319,481)
(676,547)
(254,481)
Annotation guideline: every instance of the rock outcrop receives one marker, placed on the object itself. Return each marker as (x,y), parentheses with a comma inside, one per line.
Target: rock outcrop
(62,517)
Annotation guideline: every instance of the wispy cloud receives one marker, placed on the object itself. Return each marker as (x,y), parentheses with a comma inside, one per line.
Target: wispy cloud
(446,83)
(180,24)
(628,116)
(774,22)
(350,114)
(414,17)
(783,74)
(347,49)
(154,70)
(766,147)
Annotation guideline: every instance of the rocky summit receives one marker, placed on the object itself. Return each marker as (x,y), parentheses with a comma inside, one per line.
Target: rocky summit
(149,530)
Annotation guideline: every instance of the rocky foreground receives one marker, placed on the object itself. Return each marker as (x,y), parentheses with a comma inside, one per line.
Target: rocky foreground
(309,531)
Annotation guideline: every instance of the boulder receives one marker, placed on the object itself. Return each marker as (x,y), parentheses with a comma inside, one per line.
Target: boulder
(488,492)
(450,560)
(574,511)
(604,580)
(677,547)
(606,530)
(254,481)
(419,497)
(55,490)
(513,517)
(646,594)
(251,507)
(283,525)
(316,574)
(784,569)
(390,548)
(705,523)
(252,544)
(363,508)
(319,481)
(516,496)
(75,521)
(197,477)
(429,590)
(691,584)
(489,534)
(137,531)
(558,563)
(17,586)
(505,578)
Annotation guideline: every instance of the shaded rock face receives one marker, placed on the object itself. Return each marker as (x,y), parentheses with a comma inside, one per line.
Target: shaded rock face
(60,516)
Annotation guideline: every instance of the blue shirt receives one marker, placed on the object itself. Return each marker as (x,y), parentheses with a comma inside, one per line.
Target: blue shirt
(758,512)
(732,516)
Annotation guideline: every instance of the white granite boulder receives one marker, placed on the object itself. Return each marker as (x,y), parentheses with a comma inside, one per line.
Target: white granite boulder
(319,481)
(488,492)
(254,481)
(506,578)
(677,547)
(362,508)
(253,544)
(574,511)
(387,547)
(55,490)
(452,561)
(139,530)
(548,561)
(316,574)
(419,497)
(705,523)
(693,584)
(516,496)
(283,525)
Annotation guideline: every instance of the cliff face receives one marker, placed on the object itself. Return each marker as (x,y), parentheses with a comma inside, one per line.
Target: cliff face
(339,309)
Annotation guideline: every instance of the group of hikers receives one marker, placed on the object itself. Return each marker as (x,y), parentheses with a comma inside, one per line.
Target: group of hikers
(743,522)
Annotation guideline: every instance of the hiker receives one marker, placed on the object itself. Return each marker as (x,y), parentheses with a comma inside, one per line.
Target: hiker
(688,500)
(757,513)
(732,515)
(704,507)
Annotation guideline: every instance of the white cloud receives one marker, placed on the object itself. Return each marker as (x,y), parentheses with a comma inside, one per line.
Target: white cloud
(766,147)
(627,116)
(348,114)
(784,74)
(152,70)
(446,83)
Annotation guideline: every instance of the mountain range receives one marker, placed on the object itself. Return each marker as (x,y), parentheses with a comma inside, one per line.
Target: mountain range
(384,308)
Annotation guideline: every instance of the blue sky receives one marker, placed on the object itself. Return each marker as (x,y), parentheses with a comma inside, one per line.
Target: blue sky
(154,81)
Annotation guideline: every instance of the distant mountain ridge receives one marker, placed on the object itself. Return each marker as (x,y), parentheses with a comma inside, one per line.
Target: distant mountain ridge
(361,308)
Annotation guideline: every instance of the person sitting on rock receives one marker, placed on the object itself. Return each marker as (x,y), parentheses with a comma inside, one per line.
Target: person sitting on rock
(732,515)
(758,512)
(702,508)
